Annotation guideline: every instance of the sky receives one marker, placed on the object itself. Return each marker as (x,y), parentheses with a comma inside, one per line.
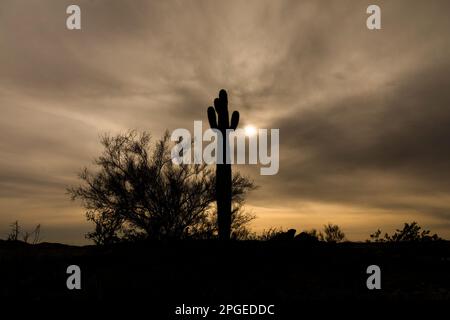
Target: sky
(364,115)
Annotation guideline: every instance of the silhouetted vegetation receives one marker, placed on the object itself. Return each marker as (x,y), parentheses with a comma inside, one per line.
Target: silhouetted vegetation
(15,231)
(309,236)
(270,234)
(16,234)
(411,232)
(275,234)
(332,233)
(138,193)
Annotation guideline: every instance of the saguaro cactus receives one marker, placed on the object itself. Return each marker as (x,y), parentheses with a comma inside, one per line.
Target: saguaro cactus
(223,171)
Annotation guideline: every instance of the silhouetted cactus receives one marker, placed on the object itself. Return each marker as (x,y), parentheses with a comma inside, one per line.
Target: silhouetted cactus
(223,171)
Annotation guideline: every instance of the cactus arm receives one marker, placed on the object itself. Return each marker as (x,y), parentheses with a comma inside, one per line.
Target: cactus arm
(212,118)
(234,120)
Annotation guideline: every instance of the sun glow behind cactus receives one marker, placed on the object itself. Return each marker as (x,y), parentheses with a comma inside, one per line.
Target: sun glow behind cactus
(250,130)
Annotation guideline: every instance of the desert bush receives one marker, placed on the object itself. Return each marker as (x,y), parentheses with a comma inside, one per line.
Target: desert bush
(276,234)
(139,193)
(309,236)
(411,232)
(332,233)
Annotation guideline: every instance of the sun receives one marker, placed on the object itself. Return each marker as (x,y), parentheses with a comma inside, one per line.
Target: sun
(250,130)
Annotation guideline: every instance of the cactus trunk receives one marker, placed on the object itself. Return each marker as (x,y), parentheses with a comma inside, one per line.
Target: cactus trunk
(223,196)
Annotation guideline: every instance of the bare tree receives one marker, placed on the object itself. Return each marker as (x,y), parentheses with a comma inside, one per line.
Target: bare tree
(15,231)
(138,192)
(37,234)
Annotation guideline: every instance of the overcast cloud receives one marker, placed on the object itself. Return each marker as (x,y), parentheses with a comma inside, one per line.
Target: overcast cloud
(364,116)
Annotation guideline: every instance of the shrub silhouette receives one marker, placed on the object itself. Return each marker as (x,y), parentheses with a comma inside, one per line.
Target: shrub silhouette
(311,236)
(332,233)
(270,234)
(139,193)
(16,233)
(275,234)
(411,232)
(223,171)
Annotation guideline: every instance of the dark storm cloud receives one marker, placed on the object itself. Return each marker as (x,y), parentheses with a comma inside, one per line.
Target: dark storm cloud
(363,115)
(380,149)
